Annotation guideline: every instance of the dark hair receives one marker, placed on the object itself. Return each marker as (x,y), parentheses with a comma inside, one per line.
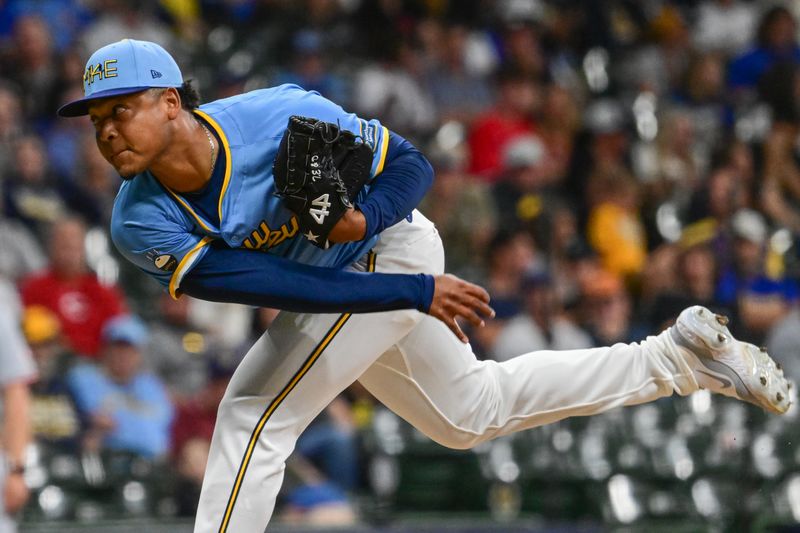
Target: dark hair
(504,237)
(777,88)
(190,96)
(509,73)
(722,154)
(768,20)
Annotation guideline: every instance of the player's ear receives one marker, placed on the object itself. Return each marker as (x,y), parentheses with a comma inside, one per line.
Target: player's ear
(172,101)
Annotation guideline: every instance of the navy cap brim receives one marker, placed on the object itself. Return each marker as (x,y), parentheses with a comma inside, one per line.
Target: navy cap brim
(78,108)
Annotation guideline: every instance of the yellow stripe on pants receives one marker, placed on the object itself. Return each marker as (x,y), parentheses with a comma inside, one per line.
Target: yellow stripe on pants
(309,362)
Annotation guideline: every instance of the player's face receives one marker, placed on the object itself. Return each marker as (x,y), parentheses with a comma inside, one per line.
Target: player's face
(130,130)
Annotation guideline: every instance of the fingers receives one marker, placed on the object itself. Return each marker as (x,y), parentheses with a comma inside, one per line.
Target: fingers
(470,316)
(477,298)
(482,308)
(467,293)
(476,291)
(455,298)
(473,305)
(455,328)
(448,316)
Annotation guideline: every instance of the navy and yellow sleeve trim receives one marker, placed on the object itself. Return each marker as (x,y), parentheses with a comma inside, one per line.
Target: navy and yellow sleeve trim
(384,148)
(185,265)
(406,177)
(376,137)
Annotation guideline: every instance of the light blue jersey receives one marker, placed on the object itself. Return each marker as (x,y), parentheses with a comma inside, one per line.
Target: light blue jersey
(158,229)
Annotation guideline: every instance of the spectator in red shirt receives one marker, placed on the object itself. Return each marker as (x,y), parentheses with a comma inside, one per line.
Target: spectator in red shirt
(72,291)
(511,117)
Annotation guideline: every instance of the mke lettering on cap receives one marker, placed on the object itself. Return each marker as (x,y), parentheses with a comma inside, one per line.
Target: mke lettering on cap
(106,69)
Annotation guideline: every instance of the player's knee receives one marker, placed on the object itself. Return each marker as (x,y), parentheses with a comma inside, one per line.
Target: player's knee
(470,423)
(457,439)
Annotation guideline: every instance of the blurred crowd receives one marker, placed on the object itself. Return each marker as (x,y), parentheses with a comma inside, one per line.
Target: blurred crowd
(599,166)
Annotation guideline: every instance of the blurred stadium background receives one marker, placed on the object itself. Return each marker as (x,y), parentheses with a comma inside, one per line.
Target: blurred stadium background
(600,165)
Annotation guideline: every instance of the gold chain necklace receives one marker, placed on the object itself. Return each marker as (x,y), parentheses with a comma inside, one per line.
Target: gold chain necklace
(211,144)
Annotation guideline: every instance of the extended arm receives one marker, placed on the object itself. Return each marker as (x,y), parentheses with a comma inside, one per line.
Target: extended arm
(264,280)
(255,278)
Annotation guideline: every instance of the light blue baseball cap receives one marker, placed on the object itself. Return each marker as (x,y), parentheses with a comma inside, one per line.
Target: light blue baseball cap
(124,67)
(127,329)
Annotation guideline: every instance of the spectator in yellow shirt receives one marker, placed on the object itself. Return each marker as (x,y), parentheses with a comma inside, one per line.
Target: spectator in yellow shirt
(615,229)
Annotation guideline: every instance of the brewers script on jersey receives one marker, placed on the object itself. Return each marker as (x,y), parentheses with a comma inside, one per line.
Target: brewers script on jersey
(408,359)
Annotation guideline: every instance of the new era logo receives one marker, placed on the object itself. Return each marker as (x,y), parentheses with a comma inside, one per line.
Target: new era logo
(155,73)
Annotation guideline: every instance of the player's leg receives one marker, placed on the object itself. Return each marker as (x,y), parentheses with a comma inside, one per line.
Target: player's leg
(435,382)
(287,378)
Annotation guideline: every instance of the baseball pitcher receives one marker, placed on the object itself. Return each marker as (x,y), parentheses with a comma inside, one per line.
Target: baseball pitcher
(280,198)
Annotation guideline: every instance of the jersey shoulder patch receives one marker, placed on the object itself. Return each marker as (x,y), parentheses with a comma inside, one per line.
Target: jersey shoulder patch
(152,232)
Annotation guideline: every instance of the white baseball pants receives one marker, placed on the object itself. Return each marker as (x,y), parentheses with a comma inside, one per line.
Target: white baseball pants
(414,365)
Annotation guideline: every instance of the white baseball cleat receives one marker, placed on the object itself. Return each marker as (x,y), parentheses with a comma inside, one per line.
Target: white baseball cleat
(726,366)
